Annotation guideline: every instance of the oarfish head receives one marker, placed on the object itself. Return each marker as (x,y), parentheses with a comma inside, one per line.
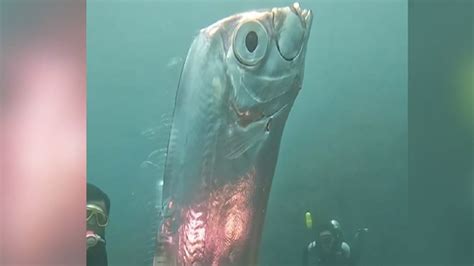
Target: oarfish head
(264,58)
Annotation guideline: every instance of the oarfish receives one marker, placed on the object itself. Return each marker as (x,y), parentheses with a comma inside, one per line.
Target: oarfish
(239,81)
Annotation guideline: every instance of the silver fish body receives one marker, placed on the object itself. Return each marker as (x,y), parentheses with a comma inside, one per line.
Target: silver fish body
(238,84)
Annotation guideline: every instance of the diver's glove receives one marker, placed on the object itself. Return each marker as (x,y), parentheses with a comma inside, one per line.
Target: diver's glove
(358,244)
(361,232)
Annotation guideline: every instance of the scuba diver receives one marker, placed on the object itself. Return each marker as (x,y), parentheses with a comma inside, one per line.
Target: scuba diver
(329,248)
(98,209)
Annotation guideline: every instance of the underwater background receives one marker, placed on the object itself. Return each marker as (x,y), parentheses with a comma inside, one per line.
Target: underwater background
(343,153)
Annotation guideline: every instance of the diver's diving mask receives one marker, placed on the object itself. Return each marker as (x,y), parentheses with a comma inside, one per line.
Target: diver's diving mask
(100,217)
(92,239)
(327,239)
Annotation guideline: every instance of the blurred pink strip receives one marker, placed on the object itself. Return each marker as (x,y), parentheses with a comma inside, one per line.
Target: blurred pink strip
(44,145)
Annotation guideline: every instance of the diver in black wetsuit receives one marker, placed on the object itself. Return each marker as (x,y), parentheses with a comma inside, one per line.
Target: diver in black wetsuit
(98,209)
(330,248)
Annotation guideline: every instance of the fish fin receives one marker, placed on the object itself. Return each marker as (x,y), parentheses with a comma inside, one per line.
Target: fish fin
(160,131)
(156,258)
(153,167)
(175,62)
(241,139)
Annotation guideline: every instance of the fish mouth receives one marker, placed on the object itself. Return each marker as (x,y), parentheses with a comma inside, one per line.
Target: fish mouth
(245,118)
(270,117)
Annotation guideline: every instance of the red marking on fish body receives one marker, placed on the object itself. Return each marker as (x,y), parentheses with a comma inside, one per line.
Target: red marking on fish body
(214,231)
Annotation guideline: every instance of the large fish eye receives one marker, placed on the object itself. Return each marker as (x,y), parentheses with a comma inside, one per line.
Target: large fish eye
(291,33)
(250,43)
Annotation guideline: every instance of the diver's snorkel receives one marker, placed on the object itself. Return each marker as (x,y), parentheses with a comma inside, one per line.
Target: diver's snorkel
(92,239)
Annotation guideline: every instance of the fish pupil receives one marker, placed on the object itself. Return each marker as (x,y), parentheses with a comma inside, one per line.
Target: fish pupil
(251,41)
